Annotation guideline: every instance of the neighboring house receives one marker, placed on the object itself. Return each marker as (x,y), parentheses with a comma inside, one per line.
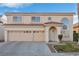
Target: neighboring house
(38,27)
(78,9)
(76,27)
(1,30)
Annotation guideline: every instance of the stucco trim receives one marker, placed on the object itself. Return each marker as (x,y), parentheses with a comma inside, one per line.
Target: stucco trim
(40,14)
(34,24)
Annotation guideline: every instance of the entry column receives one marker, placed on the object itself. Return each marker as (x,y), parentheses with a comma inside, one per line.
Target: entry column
(5,35)
(46,34)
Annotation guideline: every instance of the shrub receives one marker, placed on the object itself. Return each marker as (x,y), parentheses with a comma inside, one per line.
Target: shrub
(60,37)
(75,36)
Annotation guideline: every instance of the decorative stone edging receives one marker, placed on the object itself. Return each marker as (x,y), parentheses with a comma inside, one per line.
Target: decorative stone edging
(55,49)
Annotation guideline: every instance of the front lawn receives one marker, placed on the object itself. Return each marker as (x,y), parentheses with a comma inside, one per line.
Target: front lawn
(68,47)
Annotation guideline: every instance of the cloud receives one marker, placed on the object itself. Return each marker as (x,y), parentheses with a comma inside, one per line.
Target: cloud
(12,11)
(15,4)
(13,7)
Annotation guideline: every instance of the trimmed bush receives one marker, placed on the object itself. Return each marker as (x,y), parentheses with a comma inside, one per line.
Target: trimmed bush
(75,36)
(60,36)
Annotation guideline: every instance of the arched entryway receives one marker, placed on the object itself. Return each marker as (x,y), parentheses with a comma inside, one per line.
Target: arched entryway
(52,34)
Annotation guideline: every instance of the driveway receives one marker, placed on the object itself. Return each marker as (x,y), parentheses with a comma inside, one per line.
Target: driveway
(29,49)
(24,49)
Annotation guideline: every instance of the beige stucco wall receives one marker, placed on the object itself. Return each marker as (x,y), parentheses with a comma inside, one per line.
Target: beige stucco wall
(24,28)
(71,29)
(27,19)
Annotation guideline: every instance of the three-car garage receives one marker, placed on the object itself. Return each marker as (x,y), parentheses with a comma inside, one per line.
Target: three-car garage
(20,35)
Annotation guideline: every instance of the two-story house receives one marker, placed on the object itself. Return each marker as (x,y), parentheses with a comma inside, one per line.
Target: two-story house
(43,27)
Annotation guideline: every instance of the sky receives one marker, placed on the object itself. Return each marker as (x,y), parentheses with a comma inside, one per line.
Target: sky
(39,7)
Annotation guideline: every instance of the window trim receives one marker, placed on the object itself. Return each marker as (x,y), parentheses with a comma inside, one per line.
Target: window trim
(36,19)
(49,18)
(65,19)
(17,18)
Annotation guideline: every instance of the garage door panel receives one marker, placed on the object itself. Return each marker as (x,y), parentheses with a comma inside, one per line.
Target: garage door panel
(39,36)
(28,36)
(19,36)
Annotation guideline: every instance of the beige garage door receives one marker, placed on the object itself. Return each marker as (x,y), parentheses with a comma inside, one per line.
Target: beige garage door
(39,36)
(19,36)
(26,36)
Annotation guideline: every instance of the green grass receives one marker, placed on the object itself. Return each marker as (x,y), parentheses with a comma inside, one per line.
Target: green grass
(68,47)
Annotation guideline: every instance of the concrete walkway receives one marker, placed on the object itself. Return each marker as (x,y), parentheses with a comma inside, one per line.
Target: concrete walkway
(24,49)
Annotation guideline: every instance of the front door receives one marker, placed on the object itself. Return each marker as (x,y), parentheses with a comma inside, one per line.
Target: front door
(52,34)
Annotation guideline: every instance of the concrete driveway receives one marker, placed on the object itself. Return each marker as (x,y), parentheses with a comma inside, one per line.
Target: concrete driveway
(24,49)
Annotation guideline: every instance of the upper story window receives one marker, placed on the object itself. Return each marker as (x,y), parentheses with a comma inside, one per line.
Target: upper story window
(66,23)
(35,19)
(49,18)
(17,18)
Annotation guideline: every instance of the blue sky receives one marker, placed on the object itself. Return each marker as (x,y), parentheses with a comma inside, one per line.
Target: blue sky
(38,7)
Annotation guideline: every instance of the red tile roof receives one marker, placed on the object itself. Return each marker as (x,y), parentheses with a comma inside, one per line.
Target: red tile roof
(53,23)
